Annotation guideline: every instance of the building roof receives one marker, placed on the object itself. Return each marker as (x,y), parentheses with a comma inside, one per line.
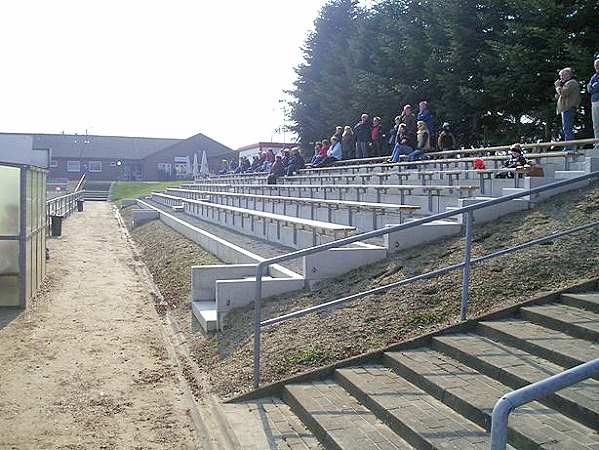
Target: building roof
(102,147)
(199,143)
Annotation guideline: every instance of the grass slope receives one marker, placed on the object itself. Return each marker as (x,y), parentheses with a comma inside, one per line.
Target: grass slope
(383,319)
(133,189)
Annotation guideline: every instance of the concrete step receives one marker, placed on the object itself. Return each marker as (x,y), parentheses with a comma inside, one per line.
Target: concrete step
(337,419)
(588,301)
(490,213)
(268,423)
(573,321)
(95,195)
(205,313)
(473,395)
(517,368)
(422,234)
(418,417)
(553,345)
(567,174)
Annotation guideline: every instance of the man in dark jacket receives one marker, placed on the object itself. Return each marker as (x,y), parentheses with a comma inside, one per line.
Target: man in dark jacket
(362,131)
(296,162)
(408,117)
(276,170)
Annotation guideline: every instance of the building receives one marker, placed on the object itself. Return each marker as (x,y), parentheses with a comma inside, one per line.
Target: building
(111,158)
(18,149)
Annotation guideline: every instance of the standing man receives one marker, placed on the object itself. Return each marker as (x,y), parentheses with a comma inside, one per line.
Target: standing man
(376,137)
(408,117)
(568,98)
(593,89)
(362,133)
(425,115)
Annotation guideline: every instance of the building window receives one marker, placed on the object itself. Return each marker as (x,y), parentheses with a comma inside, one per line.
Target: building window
(73,166)
(165,168)
(95,166)
(53,164)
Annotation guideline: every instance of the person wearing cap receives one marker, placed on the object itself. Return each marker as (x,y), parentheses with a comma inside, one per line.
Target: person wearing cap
(446,139)
(515,160)
(593,90)
(567,94)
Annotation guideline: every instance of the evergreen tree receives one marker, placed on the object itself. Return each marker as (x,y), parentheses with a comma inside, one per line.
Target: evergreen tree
(323,87)
(486,66)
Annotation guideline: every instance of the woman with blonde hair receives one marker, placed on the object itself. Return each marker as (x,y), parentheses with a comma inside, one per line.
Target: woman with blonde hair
(423,141)
(348,143)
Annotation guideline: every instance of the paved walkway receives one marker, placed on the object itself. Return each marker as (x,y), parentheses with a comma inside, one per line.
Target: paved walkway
(86,366)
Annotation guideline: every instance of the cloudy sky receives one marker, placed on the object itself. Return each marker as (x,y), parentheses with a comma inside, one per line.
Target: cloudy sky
(150,68)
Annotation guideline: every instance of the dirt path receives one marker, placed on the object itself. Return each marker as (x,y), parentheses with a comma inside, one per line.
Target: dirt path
(86,366)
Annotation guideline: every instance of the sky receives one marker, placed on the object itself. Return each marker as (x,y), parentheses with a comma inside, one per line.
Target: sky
(151,68)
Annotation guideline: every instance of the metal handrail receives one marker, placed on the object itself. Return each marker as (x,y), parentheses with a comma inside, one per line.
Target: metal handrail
(506,404)
(79,186)
(62,206)
(468,151)
(466,211)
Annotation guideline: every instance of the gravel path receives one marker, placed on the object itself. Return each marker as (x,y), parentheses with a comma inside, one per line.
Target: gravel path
(86,366)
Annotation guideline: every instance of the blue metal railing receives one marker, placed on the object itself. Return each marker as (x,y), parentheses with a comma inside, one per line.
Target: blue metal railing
(467,212)
(506,404)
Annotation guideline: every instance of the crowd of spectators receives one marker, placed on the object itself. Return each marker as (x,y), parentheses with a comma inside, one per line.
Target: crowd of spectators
(412,135)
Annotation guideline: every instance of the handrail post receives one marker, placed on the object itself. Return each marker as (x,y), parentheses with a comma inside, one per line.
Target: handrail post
(257,320)
(466,271)
(499,422)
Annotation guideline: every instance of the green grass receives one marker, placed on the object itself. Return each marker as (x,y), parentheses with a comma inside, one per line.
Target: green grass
(133,189)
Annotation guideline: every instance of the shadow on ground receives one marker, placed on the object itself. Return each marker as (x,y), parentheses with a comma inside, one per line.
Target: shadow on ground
(8,315)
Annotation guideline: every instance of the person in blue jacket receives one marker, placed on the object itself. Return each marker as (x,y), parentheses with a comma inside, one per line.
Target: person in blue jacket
(593,89)
(334,154)
(425,115)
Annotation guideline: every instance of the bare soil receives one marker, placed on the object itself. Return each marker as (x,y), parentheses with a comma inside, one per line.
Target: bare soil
(87,364)
(379,320)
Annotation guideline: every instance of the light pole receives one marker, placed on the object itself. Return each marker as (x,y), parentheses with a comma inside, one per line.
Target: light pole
(283,102)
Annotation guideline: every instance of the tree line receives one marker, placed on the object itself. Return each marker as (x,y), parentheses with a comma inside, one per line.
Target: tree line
(487,66)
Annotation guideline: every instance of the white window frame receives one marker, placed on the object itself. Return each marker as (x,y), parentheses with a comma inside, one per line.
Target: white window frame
(70,167)
(98,169)
(53,164)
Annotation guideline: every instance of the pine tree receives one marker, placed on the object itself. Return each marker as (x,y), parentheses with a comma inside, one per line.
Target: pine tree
(323,87)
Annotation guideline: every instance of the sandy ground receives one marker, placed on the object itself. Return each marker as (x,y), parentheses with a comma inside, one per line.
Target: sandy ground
(87,365)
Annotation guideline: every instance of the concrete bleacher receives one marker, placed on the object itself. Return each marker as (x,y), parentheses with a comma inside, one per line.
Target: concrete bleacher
(365,216)
(322,205)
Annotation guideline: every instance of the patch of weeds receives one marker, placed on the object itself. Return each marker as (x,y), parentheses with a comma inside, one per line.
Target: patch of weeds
(309,356)
(423,319)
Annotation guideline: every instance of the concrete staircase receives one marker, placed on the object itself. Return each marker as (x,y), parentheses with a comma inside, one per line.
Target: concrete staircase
(438,391)
(97,190)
